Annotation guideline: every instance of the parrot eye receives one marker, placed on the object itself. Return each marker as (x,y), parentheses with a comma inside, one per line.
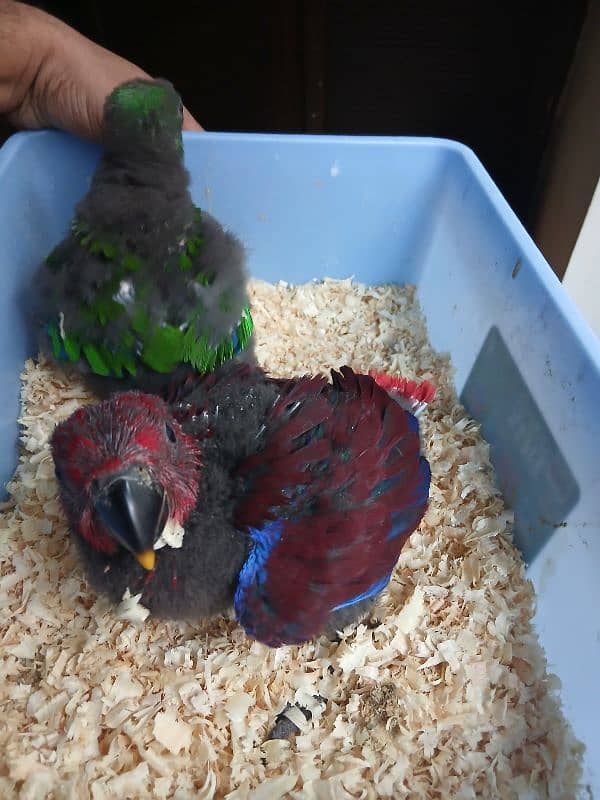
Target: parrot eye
(170,433)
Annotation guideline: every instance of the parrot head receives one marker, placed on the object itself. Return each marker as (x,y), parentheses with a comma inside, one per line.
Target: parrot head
(125,470)
(144,115)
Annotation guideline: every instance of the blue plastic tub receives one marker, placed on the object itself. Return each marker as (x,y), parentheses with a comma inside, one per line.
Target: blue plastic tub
(381,209)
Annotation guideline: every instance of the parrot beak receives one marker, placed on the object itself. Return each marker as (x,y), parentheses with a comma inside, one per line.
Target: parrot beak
(135,511)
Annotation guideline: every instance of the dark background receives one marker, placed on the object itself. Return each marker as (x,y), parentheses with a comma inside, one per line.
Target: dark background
(487,74)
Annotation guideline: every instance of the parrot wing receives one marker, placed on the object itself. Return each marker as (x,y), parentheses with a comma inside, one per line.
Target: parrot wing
(330,499)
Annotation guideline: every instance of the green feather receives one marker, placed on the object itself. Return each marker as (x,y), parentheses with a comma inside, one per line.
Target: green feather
(203,279)
(95,360)
(72,348)
(194,244)
(106,249)
(245,327)
(129,364)
(140,322)
(118,361)
(225,350)
(189,341)
(55,339)
(161,348)
(139,102)
(164,349)
(130,263)
(185,262)
(107,310)
(199,354)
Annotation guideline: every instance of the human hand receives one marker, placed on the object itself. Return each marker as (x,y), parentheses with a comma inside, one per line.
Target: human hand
(52,76)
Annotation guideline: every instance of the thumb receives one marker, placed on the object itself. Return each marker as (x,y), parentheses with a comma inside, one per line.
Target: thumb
(189,123)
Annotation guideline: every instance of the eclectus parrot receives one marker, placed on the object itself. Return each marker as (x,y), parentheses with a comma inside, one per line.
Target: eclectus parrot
(289,500)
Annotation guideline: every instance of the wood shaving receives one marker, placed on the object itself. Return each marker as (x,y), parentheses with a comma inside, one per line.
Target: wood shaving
(130,609)
(172,535)
(443,692)
(172,733)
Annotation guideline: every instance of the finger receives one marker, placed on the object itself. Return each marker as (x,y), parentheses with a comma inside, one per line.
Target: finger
(189,123)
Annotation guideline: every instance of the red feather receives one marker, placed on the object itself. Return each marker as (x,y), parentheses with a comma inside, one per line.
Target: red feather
(424,391)
(333,523)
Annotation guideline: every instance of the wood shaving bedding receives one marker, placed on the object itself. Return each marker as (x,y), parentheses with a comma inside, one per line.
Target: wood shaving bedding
(442,693)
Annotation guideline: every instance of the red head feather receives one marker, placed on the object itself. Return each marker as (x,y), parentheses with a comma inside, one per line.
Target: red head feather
(128,429)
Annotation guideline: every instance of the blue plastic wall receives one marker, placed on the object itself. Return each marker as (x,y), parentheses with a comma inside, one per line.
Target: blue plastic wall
(383,209)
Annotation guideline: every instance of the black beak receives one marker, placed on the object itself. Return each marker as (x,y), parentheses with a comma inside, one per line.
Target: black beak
(135,511)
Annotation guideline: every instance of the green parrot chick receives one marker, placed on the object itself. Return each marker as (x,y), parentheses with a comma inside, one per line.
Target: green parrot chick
(144,283)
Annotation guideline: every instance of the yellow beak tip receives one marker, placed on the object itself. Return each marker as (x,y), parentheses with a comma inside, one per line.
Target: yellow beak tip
(147,559)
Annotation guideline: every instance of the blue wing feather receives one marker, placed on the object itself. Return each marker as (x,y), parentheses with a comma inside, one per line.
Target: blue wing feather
(373,590)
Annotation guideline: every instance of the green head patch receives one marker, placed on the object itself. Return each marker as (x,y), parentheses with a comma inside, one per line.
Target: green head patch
(141,98)
(146,109)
